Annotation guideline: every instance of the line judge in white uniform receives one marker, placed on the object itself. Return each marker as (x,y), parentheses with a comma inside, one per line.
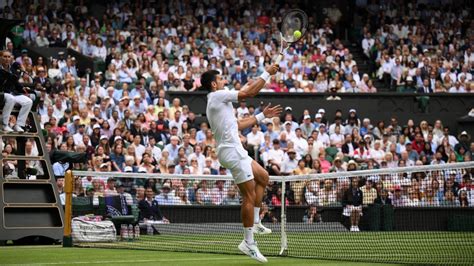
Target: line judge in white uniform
(251,178)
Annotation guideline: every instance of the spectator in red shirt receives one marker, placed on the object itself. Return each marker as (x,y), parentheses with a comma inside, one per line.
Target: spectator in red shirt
(418,144)
(276,198)
(263,19)
(281,87)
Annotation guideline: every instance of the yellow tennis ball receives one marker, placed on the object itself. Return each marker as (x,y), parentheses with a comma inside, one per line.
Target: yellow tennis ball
(297,34)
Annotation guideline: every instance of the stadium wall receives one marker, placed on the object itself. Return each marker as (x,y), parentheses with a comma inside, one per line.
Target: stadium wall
(452,109)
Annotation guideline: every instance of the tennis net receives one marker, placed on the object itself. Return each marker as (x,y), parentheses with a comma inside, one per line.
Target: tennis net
(419,214)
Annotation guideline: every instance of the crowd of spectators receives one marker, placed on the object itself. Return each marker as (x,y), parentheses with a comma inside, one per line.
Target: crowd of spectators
(170,46)
(124,121)
(420,46)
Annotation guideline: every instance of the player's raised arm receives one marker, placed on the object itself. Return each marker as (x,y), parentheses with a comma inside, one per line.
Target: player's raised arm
(252,89)
(268,112)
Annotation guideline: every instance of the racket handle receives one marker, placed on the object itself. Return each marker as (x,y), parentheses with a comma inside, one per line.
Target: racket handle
(279,58)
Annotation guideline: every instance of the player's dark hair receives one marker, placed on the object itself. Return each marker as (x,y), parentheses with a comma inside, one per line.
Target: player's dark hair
(207,78)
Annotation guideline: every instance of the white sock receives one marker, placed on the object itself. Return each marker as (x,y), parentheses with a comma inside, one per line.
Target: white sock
(248,234)
(256,215)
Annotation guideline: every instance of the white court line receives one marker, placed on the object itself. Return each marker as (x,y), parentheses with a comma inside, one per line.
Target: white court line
(30,247)
(132,261)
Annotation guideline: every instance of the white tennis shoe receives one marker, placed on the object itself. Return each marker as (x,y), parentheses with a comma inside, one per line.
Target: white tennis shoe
(18,129)
(261,230)
(355,229)
(7,129)
(252,251)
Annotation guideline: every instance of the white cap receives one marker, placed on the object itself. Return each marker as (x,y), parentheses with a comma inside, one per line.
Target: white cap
(318,115)
(288,108)
(117,138)
(352,162)
(352,110)
(307,117)
(142,170)
(128,169)
(76,117)
(103,165)
(96,126)
(287,123)
(321,111)
(103,137)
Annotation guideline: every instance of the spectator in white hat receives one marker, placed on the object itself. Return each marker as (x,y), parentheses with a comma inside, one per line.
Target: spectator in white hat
(307,127)
(317,120)
(288,129)
(322,112)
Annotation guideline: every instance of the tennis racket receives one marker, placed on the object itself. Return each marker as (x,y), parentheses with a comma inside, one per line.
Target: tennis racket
(293,27)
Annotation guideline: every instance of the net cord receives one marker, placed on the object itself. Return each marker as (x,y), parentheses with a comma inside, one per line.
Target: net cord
(385,171)
(288,178)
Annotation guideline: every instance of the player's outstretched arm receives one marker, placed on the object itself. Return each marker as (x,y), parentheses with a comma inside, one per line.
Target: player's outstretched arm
(251,89)
(268,112)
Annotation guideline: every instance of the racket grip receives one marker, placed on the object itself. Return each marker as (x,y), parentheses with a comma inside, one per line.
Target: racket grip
(279,58)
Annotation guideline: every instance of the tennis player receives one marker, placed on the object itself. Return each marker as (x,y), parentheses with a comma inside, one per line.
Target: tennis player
(248,174)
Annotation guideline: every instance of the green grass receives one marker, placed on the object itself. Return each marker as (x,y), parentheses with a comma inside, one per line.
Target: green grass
(386,247)
(48,255)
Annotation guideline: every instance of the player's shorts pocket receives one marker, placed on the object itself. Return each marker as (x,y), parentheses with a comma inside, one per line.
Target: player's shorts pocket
(243,153)
(229,158)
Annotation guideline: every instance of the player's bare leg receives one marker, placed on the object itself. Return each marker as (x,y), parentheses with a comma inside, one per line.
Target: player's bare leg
(247,190)
(248,245)
(261,181)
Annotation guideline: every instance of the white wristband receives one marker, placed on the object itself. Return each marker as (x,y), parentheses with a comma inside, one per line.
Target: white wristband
(260,117)
(265,76)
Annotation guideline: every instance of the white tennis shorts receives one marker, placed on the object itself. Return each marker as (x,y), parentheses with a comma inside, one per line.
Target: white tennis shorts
(237,160)
(347,211)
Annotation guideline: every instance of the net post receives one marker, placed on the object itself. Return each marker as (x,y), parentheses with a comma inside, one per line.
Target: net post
(68,183)
(284,240)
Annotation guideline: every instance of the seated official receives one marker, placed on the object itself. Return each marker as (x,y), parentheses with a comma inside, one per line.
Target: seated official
(149,209)
(14,93)
(383,198)
(311,215)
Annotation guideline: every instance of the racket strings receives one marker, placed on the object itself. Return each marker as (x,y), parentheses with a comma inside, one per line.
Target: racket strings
(294,20)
